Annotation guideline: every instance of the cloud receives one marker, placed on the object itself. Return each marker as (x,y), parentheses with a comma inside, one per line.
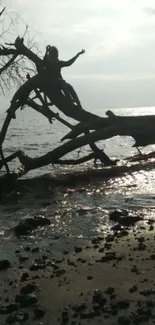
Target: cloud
(118,36)
(150,11)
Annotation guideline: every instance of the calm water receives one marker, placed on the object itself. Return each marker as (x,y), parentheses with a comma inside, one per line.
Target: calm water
(33,134)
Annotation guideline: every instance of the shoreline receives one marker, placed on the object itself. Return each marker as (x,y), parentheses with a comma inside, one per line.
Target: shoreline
(108,280)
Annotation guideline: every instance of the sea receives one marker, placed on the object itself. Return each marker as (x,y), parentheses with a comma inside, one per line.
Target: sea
(77,212)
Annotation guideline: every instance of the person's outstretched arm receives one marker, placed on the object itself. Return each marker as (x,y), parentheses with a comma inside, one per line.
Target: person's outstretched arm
(71,61)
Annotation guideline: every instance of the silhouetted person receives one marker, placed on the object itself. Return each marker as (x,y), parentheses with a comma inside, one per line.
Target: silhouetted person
(54,66)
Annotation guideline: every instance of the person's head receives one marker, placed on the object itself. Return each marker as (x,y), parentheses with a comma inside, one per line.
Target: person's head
(53,52)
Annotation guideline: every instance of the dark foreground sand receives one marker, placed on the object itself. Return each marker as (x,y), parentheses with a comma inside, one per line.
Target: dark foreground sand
(107,281)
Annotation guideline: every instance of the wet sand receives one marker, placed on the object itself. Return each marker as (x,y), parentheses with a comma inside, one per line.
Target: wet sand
(103,281)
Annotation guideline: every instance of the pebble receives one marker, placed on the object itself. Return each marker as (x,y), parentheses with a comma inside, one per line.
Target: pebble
(26,300)
(4,264)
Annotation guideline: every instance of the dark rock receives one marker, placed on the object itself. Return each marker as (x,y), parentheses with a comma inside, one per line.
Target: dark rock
(150,304)
(89,277)
(133,289)
(141,246)
(141,239)
(152,257)
(4,264)
(78,249)
(123,304)
(19,316)
(71,263)
(24,276)
(3,310)
(123,233)
(26,226)
(27,249)
(123,218)
(116,214)
(107,245)
(64,317)
(116,227)
(101,250)
(147,292)
(34,267)
(134,269)
(23,258)
(65,252)
(29,288)
(79,308)
(109,291)
(59,272)
(26,300)
(11,307)
(130,220)
(81,260)
(88,314)
(109,257)
(110,238)
(35,250)
(96,246)
(97,240)
(39,313)
(99,298)
(123,320)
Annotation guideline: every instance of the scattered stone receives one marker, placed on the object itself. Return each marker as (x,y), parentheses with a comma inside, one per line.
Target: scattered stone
(134,288)
(152,257)
(141,239)
(134,269)
(24,276)
(89,277)
(35,250)
(123,320)
(23,258)
(101,250)
(26,300)
(117,214)
(29,288)
(65,252)
(64,317)
(39,313)
(99,298)
(19,316)
(123,233)
(97,240)
(26,226)
(4,264)
(79,308)
(71,263)
(110,238)
(78,249)
(107,245)
(116,227)
(88,314)
(109,257)
(147,293)
(81,260)
(141,246)
(123,304)
(27,248)
(109,291)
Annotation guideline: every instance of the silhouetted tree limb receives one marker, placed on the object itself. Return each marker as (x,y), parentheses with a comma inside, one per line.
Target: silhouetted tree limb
(40,93)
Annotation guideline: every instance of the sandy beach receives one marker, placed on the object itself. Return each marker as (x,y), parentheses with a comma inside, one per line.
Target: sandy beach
(103,281)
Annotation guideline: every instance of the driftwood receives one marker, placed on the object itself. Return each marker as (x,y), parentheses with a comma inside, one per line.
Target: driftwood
(89,129)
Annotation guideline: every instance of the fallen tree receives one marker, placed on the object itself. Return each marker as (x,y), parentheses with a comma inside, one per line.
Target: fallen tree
(89,129)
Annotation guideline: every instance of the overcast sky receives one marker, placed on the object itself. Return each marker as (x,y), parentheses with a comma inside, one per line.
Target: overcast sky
(118,68)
